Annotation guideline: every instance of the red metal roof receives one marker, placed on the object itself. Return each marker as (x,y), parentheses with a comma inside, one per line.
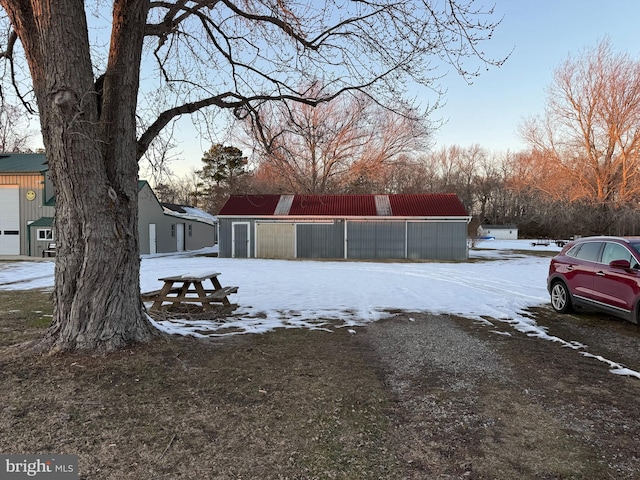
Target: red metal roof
(414,205)
(334,205)
(427,205)
(250,205)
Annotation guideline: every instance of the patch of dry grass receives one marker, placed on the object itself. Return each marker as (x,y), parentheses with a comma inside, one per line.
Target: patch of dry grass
(289,404)
(23,315)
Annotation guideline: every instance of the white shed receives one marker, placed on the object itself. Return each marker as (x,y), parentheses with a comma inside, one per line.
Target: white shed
(499,232)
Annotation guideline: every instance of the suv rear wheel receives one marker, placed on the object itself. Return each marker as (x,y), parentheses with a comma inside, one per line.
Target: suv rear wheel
(560,298)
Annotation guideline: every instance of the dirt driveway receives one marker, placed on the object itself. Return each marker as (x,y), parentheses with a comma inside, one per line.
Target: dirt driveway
(416,396)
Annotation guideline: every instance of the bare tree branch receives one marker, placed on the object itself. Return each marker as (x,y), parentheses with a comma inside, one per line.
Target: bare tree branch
(8,52)
(261,49)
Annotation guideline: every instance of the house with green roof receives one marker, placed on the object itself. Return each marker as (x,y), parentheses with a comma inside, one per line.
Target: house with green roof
(27,212)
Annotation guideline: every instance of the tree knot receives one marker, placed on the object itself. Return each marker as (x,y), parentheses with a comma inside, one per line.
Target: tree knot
(64,99)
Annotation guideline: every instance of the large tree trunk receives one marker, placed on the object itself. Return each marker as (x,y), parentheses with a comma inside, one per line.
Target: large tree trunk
(93,166)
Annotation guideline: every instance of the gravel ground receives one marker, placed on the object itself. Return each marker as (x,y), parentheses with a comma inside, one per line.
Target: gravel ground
(436,343)
(479,402)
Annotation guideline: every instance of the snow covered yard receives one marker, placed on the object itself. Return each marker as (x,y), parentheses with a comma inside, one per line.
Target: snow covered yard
(284,293)
(500,282)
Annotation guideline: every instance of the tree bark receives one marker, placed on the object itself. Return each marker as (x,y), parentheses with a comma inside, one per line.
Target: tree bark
(93,167)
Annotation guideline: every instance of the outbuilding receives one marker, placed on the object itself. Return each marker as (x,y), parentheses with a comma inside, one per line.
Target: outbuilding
(498,232)
(27,201)
(412,226)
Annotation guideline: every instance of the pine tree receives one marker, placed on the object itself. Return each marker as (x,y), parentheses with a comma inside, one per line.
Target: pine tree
(223,166)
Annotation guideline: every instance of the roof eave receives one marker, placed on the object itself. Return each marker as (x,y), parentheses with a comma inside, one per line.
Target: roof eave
(456,218)
(190,218)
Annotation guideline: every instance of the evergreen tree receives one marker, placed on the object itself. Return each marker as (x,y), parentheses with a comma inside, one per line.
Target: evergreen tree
(223,167)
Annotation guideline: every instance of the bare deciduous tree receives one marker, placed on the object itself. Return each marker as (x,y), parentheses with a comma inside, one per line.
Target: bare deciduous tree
(335,147)
(207,53)
(15,133)
(458,169)
(155,164)
(587,147)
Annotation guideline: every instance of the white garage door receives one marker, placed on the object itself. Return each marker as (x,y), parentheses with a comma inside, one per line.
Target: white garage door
(9,220)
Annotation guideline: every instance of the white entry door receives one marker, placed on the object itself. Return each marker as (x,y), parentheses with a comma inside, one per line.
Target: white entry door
(9,220)
(180,237)
(153,242)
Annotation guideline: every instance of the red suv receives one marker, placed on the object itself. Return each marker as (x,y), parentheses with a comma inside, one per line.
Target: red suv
(602,273)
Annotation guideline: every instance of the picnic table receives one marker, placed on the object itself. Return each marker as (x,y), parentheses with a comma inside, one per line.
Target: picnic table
(189,289)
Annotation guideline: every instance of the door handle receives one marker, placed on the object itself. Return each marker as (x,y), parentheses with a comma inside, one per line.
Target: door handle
(600,273)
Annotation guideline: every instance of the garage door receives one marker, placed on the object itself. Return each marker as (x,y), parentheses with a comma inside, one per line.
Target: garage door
(9,220)
(275,240)
(376,239)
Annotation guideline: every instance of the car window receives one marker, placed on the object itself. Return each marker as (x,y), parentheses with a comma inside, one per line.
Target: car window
(614,251)
(573,251)
(589,251)
(635,246)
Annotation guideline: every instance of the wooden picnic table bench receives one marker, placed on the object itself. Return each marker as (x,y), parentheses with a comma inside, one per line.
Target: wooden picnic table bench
(189,288)
(50,251)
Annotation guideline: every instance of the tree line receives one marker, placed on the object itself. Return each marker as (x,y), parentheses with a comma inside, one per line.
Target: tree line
(580,175)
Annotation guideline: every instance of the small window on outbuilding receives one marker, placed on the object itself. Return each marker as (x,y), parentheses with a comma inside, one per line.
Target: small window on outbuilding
(45,234)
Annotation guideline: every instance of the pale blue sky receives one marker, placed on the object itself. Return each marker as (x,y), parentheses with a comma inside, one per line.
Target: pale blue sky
(543,33)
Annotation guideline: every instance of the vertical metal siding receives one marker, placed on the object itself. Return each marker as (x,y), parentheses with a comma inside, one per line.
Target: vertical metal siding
(320,240)
(224,239)
(376,239)
(241,239)
(437,240)
(30,210)
(418,240)
(390,240)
